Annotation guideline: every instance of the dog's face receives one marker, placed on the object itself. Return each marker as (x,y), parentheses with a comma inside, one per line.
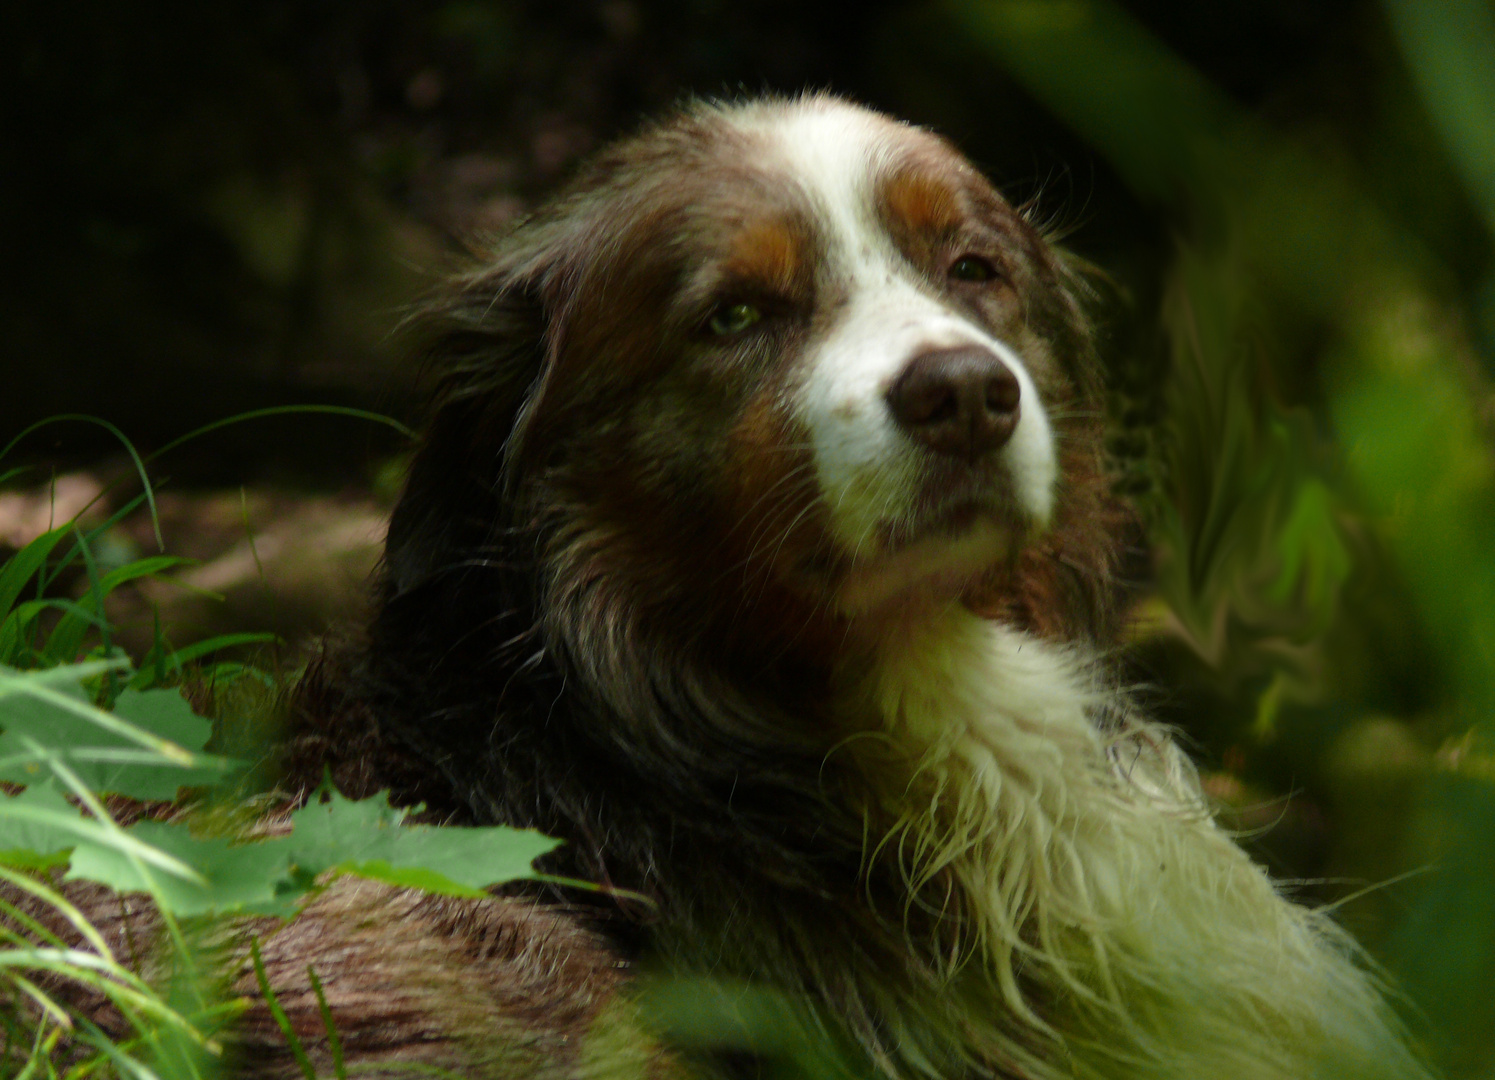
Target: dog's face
(923,394)
(795,349)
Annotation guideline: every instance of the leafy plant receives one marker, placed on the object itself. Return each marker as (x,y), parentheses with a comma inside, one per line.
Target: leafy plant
(81,728)
(66,750)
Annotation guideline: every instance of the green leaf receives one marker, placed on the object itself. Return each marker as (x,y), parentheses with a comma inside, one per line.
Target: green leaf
(164,713)
(367,839)
(121,753)
(34,828)
(234,876)
(39,823)
(340,836)
(148,749)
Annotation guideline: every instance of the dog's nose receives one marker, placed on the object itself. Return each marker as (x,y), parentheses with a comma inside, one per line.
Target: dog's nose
(961,402)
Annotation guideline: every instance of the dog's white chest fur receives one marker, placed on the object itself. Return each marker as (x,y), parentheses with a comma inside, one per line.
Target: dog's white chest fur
(1105,903)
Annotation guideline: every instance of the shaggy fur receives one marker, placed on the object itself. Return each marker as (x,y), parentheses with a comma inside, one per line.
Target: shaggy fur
(625,603)
(706,566)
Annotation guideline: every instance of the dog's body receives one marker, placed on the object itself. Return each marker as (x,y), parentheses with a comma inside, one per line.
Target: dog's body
(760,547)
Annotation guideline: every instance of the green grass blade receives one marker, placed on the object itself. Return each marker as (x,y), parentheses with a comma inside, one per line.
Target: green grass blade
(17,631)
(284,410)
(334,1043)
(153,667)
(123,1063)
(91,831)
(281,1019)
(145,480)
(59,903)
(24,565)
(96,594)
(66,640)
(92,535)
(43,1001)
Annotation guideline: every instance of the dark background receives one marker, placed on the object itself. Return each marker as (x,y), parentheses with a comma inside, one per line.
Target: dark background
(218,206)
(213,208)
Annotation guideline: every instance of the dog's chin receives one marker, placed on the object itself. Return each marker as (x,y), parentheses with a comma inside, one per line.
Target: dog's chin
(926,571)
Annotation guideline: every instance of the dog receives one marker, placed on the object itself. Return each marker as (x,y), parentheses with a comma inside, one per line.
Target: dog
(761,547)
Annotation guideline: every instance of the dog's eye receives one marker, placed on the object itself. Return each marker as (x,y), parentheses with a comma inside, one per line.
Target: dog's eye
(733,319)
(972,268)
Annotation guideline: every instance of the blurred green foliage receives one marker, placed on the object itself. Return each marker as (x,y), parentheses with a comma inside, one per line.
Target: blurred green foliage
(1325,511)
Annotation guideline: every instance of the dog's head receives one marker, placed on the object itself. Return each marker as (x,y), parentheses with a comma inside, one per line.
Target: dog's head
(768,367)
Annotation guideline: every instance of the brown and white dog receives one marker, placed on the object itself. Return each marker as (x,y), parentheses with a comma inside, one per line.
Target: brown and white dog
(760,546)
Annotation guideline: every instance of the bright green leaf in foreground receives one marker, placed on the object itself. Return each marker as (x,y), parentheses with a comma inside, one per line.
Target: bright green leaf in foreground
(38,824)
(149,748)
(34,830)
(367,839)
(233,877)
(153,754)
(339,836)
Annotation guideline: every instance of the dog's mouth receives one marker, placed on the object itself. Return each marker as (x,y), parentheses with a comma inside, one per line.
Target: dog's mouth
(933,554)
(948,518)
(942,535)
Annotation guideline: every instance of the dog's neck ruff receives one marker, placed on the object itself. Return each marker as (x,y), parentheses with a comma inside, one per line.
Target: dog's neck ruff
(1104,907)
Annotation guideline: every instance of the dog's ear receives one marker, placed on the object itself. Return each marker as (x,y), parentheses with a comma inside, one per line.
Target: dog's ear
(485,342)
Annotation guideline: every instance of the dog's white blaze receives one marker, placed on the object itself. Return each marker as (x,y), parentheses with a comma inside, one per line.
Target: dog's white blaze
(869,470)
